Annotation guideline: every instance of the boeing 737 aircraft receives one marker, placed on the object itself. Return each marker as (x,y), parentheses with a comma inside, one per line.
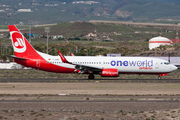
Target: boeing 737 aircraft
(27,56)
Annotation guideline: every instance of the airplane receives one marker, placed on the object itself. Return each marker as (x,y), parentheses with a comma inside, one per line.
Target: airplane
(27,56)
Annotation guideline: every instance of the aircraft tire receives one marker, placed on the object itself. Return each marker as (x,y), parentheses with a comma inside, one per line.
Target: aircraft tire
(91,76)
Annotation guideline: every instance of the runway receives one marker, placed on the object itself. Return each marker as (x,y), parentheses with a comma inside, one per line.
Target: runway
(40,80)
(87,101)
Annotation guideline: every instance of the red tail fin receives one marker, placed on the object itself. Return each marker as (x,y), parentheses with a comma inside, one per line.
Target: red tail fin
(22,47)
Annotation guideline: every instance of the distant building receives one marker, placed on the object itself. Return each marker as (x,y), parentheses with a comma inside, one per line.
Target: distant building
(30,34)
(84,2)
(64,3)
(157,41)
(91,35)
(57,36)
(2,11)
(36,4)
(52,5)
(25,10)
(2,35)
(137,32)
(10,65)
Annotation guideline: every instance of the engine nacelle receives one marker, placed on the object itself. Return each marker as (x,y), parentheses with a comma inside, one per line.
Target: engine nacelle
(110,72)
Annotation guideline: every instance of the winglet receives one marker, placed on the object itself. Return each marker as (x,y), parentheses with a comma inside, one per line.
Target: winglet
(72,54)
(62,57)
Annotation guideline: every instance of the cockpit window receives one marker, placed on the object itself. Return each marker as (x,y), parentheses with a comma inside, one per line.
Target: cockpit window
(167,63)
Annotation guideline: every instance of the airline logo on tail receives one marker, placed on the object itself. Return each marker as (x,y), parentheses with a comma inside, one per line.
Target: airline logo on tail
(18,42)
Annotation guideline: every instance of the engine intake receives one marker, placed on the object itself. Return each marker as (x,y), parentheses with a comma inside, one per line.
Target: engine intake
(110,72)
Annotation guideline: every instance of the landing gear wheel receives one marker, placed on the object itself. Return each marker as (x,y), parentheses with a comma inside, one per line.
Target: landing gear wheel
(159,77)
(91,76)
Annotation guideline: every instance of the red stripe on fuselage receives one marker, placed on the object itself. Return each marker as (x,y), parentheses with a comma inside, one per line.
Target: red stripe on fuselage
(44,65)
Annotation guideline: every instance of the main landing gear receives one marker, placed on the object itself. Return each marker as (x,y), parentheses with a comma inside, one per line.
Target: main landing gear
(91,76)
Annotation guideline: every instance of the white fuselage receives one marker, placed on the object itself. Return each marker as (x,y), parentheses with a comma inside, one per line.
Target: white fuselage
(141,65)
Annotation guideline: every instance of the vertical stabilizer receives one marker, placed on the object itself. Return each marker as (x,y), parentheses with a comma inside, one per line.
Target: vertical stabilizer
(22,47)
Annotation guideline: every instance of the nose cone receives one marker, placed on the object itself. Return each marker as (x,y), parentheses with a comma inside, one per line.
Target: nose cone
(174,68)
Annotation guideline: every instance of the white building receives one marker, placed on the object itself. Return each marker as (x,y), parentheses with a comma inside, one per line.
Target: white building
(11,65)
(157,41)
(25,10)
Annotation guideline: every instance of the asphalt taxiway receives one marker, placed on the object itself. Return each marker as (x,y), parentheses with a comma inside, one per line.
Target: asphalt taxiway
(94,80)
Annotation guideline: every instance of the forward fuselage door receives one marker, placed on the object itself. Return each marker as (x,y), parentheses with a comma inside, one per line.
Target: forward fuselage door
(156,64)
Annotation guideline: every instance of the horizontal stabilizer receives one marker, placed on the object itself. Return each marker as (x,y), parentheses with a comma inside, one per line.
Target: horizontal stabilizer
(14,57)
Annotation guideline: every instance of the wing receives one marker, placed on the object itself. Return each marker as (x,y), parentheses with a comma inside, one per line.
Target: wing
(80,68)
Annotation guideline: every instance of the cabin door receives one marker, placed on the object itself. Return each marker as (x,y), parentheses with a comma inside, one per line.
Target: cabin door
(157,64)
(37,63)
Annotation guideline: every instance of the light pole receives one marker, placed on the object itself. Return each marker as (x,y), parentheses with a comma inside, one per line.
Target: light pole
(47,30)
(30,34)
